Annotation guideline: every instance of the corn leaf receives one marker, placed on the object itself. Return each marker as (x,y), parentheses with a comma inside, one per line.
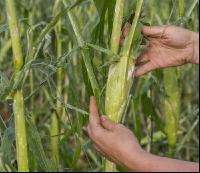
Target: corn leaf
(2,125)
(8,154)
(35,148)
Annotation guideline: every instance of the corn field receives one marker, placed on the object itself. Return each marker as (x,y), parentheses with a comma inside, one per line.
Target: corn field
(55,54)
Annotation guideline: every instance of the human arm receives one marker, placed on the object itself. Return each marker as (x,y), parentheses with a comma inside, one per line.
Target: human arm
(168,46)
(119,144)
(153,163)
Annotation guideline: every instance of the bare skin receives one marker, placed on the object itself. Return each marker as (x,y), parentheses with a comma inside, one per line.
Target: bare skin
(117,143)
(168,46)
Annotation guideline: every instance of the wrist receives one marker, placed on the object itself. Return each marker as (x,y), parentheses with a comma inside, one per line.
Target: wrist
(136,163)
(195,58)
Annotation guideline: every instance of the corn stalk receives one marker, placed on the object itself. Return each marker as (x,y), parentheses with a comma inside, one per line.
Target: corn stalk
(181,8)
(18,101)
(31,76)
(171,106)
(119,77)
(172,99)
(55,130)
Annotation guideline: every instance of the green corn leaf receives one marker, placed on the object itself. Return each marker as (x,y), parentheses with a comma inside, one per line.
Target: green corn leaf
(6,87)
(100,5)
(103,6)
(36,148)
(2,124)
(157,136)
(8,154)
(1,167)
(76,156)
(84,54)
(103,50)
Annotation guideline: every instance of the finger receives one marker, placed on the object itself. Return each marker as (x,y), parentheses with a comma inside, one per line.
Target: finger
(107,123)
(153,31)
(144,69)
(94,119)
(144,58)
(126,31)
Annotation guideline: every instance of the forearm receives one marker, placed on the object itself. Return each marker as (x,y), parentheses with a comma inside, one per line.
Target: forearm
(151,163)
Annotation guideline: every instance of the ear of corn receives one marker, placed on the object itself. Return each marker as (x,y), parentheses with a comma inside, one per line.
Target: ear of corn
(119,77)
(116,74)
(18,100)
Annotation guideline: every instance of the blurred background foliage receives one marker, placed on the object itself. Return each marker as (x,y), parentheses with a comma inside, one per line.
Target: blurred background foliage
(145,113)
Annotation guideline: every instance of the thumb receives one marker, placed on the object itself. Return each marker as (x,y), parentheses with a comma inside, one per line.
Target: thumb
(154,31)
(107,123)
(94,118)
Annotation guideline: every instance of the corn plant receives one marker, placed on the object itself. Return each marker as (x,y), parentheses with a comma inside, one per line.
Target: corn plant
(55,118)
(18,99)
(119,77)
(63,52)
(171,82)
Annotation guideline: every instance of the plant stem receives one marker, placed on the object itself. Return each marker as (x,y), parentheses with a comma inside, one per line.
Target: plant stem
(172,107)
(31,75)
(57,114)
(172,101)
(18,101)
(54,131)
(20,132)
(181,8)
